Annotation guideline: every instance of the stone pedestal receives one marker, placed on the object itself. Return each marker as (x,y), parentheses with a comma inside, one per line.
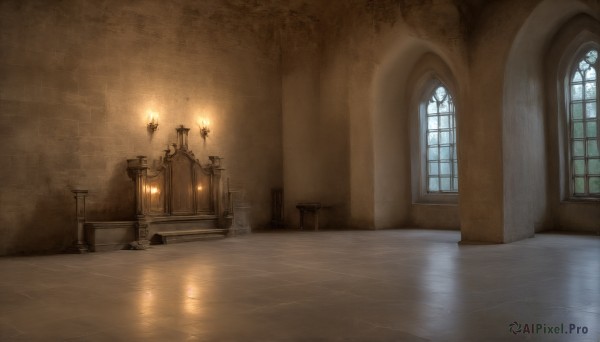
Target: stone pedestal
(241,219)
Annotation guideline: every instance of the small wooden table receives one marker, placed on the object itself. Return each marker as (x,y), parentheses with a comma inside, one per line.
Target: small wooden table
(309,207)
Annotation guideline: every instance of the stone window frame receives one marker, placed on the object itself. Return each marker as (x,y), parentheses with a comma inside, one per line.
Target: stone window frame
(578,35)
(568,92)
(429,72)
(424,130)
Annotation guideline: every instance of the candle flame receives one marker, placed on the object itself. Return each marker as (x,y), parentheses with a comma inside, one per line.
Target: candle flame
(153,116)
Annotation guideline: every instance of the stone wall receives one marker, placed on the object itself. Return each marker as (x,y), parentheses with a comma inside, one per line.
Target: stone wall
(78,78)
(311,96)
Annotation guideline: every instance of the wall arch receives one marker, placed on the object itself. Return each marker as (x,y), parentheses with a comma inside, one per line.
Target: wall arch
(524,156)
(393,83)
(429,69)
(579,33)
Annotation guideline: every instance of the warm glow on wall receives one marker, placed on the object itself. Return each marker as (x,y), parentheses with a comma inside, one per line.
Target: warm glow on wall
(152,120)
(203,123)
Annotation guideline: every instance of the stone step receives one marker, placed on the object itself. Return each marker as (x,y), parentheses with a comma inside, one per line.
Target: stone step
(175,236)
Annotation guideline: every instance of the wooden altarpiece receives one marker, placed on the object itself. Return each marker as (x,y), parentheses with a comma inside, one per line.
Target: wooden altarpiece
(176,199)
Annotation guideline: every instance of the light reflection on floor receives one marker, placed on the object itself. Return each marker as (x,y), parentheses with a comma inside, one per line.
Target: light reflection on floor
(394,285)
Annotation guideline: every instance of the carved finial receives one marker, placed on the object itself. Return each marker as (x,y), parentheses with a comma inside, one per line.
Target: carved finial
(182,134)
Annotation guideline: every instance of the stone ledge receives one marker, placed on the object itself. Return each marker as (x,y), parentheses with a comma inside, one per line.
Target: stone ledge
(190,235)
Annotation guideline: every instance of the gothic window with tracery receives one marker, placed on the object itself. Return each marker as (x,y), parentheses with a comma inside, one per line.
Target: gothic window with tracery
(440,142)
(584,126)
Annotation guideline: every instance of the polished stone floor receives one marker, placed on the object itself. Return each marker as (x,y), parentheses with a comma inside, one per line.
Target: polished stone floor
(394,285)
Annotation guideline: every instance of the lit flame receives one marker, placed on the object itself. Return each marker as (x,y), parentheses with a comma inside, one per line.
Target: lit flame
(203,123)
(152,190)
(153,116)
(199,187)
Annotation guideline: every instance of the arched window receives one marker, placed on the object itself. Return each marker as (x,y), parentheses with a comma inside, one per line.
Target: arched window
(441,169)
(584,126)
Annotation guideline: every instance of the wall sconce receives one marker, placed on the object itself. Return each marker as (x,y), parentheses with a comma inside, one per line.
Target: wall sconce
(204,130)
(152,121)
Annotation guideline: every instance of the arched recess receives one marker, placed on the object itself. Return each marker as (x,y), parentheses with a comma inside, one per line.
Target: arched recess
(414,61)
(579,34)
(524,136)
(429,210)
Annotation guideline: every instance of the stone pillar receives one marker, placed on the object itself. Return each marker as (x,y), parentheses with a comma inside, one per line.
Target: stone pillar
(80,245)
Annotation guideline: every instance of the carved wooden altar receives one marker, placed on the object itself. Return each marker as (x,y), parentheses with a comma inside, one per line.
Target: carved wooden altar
(176,199)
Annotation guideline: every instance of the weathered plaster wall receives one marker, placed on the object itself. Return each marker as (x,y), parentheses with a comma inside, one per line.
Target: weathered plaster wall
(526,202)
(302,173)
(376,44)
(76,81)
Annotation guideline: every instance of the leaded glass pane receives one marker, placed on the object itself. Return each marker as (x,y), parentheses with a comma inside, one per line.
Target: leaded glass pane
(433,168)
(577,111)
(583,66)
(445,168)
(590,90)
(434,184)
(594,166)
(590,74)
(578,130)
(444,122)
(432,122)
(445,153)
(592,148)
(432,107)
(455,183)
(591,57)
(455,168)
(577,77)
(590,129)
(432,153)
(444,138)
(576,92)
(445,184)
(440,93)
(444,107)
(579,185)
(432,138)
(578,148)
(590,110)
(579,167)
(594,185)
